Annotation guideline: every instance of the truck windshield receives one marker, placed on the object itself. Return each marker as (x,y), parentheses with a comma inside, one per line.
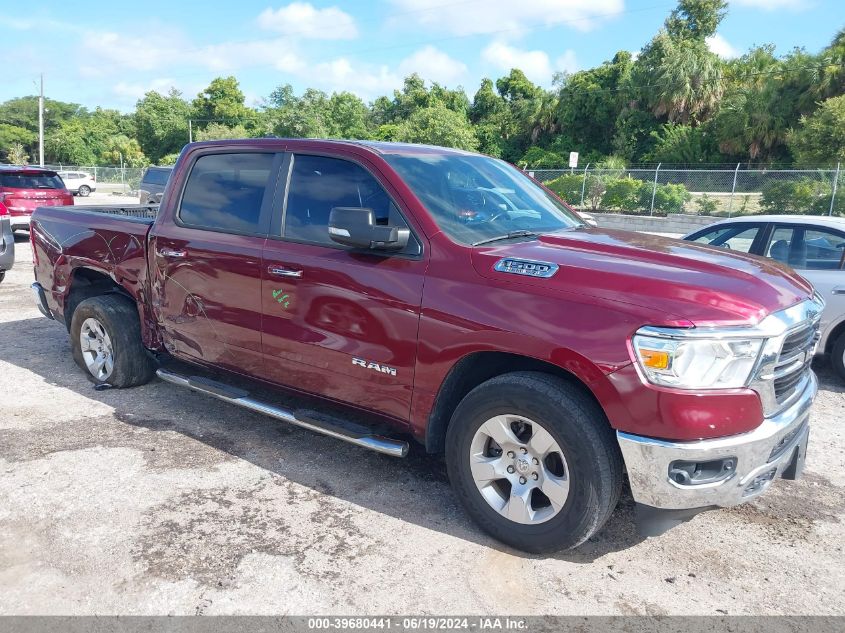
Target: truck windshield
(474,199)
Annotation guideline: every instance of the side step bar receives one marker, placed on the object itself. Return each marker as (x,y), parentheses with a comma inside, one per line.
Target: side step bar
(241,398)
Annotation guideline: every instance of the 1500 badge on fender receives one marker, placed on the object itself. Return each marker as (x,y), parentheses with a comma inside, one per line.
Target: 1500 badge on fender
(360,362)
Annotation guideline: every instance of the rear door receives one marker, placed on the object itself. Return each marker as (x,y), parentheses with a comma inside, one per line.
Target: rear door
(817,253)
(207,259)
(340,323)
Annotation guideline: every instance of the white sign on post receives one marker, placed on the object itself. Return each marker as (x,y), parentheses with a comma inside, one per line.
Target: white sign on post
(573,160)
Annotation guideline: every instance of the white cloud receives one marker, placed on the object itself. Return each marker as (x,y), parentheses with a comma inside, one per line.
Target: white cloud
(567,62)
(500,16)
(775,5)
(535,64)
(301,19)
(434,65)
(118,53)
(136,90)
(719,45)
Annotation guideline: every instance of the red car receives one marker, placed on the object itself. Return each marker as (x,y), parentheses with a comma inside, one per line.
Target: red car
(23,189)
(446,296)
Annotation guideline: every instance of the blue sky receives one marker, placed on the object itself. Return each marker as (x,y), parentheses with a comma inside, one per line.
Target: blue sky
(110,53)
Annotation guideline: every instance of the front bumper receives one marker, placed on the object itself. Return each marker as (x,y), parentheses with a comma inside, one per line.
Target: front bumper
(777,448)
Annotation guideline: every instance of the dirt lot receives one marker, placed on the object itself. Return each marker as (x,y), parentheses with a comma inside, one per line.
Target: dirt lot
(160,501)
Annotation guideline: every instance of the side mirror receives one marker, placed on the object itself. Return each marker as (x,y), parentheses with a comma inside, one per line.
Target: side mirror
(356,227)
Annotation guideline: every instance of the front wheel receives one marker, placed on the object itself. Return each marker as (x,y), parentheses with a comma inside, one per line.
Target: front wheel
(837,356)
(84,191)
(106,341)
(534,461)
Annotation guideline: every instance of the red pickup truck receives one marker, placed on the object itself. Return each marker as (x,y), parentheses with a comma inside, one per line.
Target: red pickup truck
(450,297)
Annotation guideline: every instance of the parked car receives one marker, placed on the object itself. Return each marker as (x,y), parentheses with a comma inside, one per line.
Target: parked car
(24,188)
(7,242)
(812,245)
(152,184)
(541,356)
(79,183)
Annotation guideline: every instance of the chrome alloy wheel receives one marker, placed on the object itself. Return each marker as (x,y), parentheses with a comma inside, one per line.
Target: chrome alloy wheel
(96,349)
(519,469)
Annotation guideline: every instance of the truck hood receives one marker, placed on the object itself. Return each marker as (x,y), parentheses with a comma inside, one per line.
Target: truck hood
(676,282)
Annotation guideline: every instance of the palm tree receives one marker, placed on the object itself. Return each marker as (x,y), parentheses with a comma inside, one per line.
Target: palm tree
(543,115)
(687,81)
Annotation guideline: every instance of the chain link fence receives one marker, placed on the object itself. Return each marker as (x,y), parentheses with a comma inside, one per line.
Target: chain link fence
(719,192)
(117,180)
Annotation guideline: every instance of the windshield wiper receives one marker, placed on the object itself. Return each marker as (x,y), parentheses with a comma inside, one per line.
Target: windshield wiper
(509,236)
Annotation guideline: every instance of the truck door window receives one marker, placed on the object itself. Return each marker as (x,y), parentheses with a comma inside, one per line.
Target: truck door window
(225,192)
(320,183)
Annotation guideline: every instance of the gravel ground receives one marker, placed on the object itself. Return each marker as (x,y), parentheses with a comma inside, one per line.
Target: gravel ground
(156,500)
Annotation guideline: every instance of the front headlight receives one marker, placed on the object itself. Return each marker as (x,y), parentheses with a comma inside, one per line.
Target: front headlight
(694,362)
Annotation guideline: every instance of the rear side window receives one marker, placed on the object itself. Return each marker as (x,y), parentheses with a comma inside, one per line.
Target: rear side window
(157,176)
(807,249)
(31,181)
(319,183)
(226,192)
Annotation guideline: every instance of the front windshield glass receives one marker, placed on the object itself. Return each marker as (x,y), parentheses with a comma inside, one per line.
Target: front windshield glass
(476,198)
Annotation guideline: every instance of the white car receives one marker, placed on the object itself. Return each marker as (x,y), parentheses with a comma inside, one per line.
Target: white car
(812,245)
(79,183)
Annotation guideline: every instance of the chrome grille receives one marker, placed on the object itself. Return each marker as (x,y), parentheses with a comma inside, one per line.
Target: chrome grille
(794,361)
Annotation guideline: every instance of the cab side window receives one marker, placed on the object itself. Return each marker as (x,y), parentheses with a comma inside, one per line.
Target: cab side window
(226,192)
(319,183)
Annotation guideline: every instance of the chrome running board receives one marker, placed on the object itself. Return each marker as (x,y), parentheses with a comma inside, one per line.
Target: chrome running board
(241,398)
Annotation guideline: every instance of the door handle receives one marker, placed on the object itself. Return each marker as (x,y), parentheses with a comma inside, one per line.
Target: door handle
(280,271)
(170,252)
(839,290)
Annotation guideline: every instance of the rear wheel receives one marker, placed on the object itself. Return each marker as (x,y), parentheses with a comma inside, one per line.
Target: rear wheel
(534,461)
(837,356)
(84,191)
(2,275)
(106,341)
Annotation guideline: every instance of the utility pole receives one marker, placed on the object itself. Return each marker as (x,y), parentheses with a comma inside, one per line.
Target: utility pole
(190,131)
(41,124)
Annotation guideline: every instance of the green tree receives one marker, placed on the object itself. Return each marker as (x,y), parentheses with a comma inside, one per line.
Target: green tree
(682,144)
(695,19)
(590,102)
(16,154)
(13,135)
(222,102)
(347,116)
(219,131)
(820,138)
(162,123)
(438,125)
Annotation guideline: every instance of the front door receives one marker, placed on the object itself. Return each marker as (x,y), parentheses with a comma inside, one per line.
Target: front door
(339,323)
(207,261)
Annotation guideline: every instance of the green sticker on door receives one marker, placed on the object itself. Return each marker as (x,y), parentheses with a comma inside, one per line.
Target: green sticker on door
(282,298)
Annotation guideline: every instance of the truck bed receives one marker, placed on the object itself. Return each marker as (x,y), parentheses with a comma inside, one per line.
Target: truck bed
(145,213)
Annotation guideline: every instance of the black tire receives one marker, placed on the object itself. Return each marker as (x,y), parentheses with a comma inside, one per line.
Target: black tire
(581,430)
(119,317)
(837,356)
(2,276)
(84,191)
